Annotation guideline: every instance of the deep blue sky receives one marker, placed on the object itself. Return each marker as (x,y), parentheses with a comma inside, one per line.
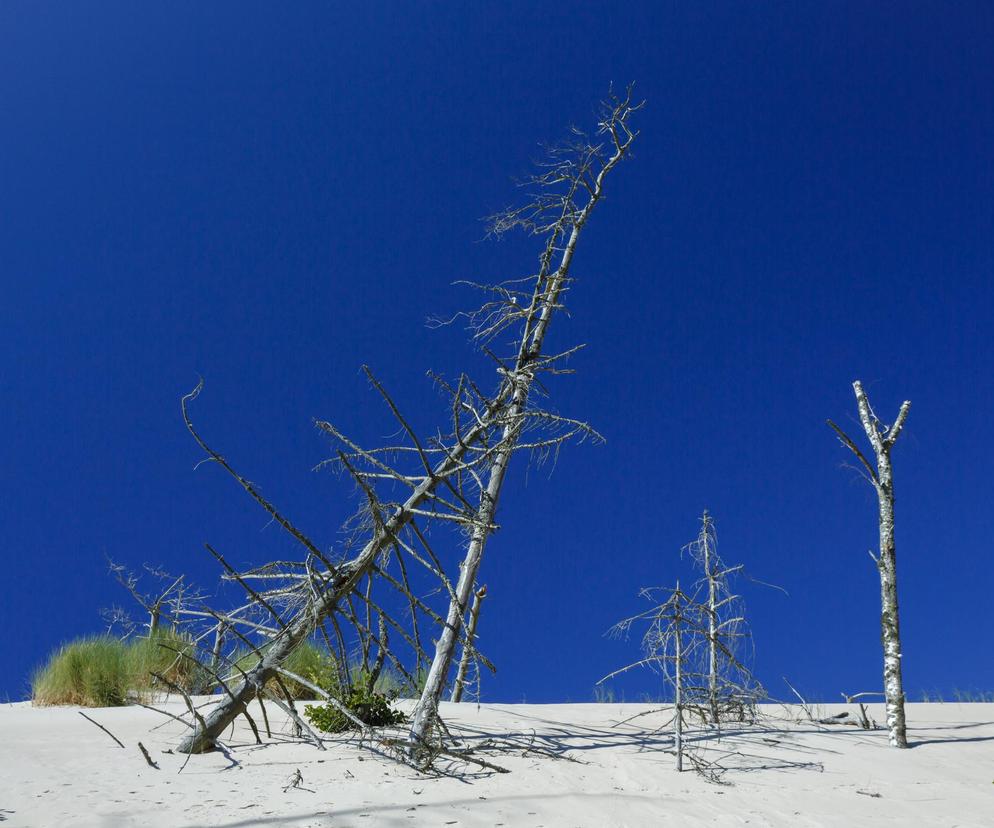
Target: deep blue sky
(271,196)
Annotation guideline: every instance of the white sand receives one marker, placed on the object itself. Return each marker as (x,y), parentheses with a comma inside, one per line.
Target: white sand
(56,769)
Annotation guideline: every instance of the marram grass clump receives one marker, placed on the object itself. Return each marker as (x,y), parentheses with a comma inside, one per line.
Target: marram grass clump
(92,672)
(104,671)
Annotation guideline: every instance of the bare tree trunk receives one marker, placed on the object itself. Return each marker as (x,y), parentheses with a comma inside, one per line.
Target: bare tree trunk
(549,284)
(882,438)
(889,617)
(216,651)
(474,617)
(426,709)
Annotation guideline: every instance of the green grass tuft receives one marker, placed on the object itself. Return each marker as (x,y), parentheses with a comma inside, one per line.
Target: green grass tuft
(92,672)
(103,671)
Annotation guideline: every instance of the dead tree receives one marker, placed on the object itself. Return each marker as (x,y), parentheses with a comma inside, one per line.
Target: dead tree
(732,691)
(882,438)
(451,479)
(165,604)
(565,195)
(672,645)
(694,641)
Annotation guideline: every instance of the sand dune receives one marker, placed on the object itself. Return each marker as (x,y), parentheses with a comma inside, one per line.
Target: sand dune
(571,765)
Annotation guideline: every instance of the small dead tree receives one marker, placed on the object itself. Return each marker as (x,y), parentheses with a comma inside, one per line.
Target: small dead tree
(675,636)
(164,605)
(882,438)
(694,641)
(732,691)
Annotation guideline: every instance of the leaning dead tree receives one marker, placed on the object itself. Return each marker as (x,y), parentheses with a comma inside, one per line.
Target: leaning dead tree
(882,438)
(412,491)
(565,193)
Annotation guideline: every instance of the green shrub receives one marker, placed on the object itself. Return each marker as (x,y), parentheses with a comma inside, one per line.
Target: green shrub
(368,706)
(92,672)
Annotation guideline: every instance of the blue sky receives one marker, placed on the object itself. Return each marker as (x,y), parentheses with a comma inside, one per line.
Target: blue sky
(271,197)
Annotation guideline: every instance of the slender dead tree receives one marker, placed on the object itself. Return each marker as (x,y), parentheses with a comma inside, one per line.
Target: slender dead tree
(566,193)
(674,643)
(704,551)
(882,438)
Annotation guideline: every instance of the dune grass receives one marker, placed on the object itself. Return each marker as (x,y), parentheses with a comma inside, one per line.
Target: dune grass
(104,671)
(92,672)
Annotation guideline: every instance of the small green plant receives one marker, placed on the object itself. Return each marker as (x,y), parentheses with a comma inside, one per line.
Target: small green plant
(92,672)
(367,705)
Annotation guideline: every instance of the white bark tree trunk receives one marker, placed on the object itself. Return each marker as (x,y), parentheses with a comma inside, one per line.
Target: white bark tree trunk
(882,439)
(474,618)
(545,302)
(889,617)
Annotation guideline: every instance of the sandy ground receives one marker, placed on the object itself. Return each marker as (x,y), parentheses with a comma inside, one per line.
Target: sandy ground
(571,765)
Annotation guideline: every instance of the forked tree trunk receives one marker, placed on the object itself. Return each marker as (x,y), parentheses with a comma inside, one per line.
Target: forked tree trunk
(882,439)
(426,710)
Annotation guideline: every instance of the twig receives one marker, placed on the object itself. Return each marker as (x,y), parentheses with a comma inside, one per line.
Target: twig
(148,758)
(104,729)
(804,704)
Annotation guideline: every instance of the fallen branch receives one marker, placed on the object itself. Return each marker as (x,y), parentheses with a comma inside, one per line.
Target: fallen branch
(148,758)
(104,729)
